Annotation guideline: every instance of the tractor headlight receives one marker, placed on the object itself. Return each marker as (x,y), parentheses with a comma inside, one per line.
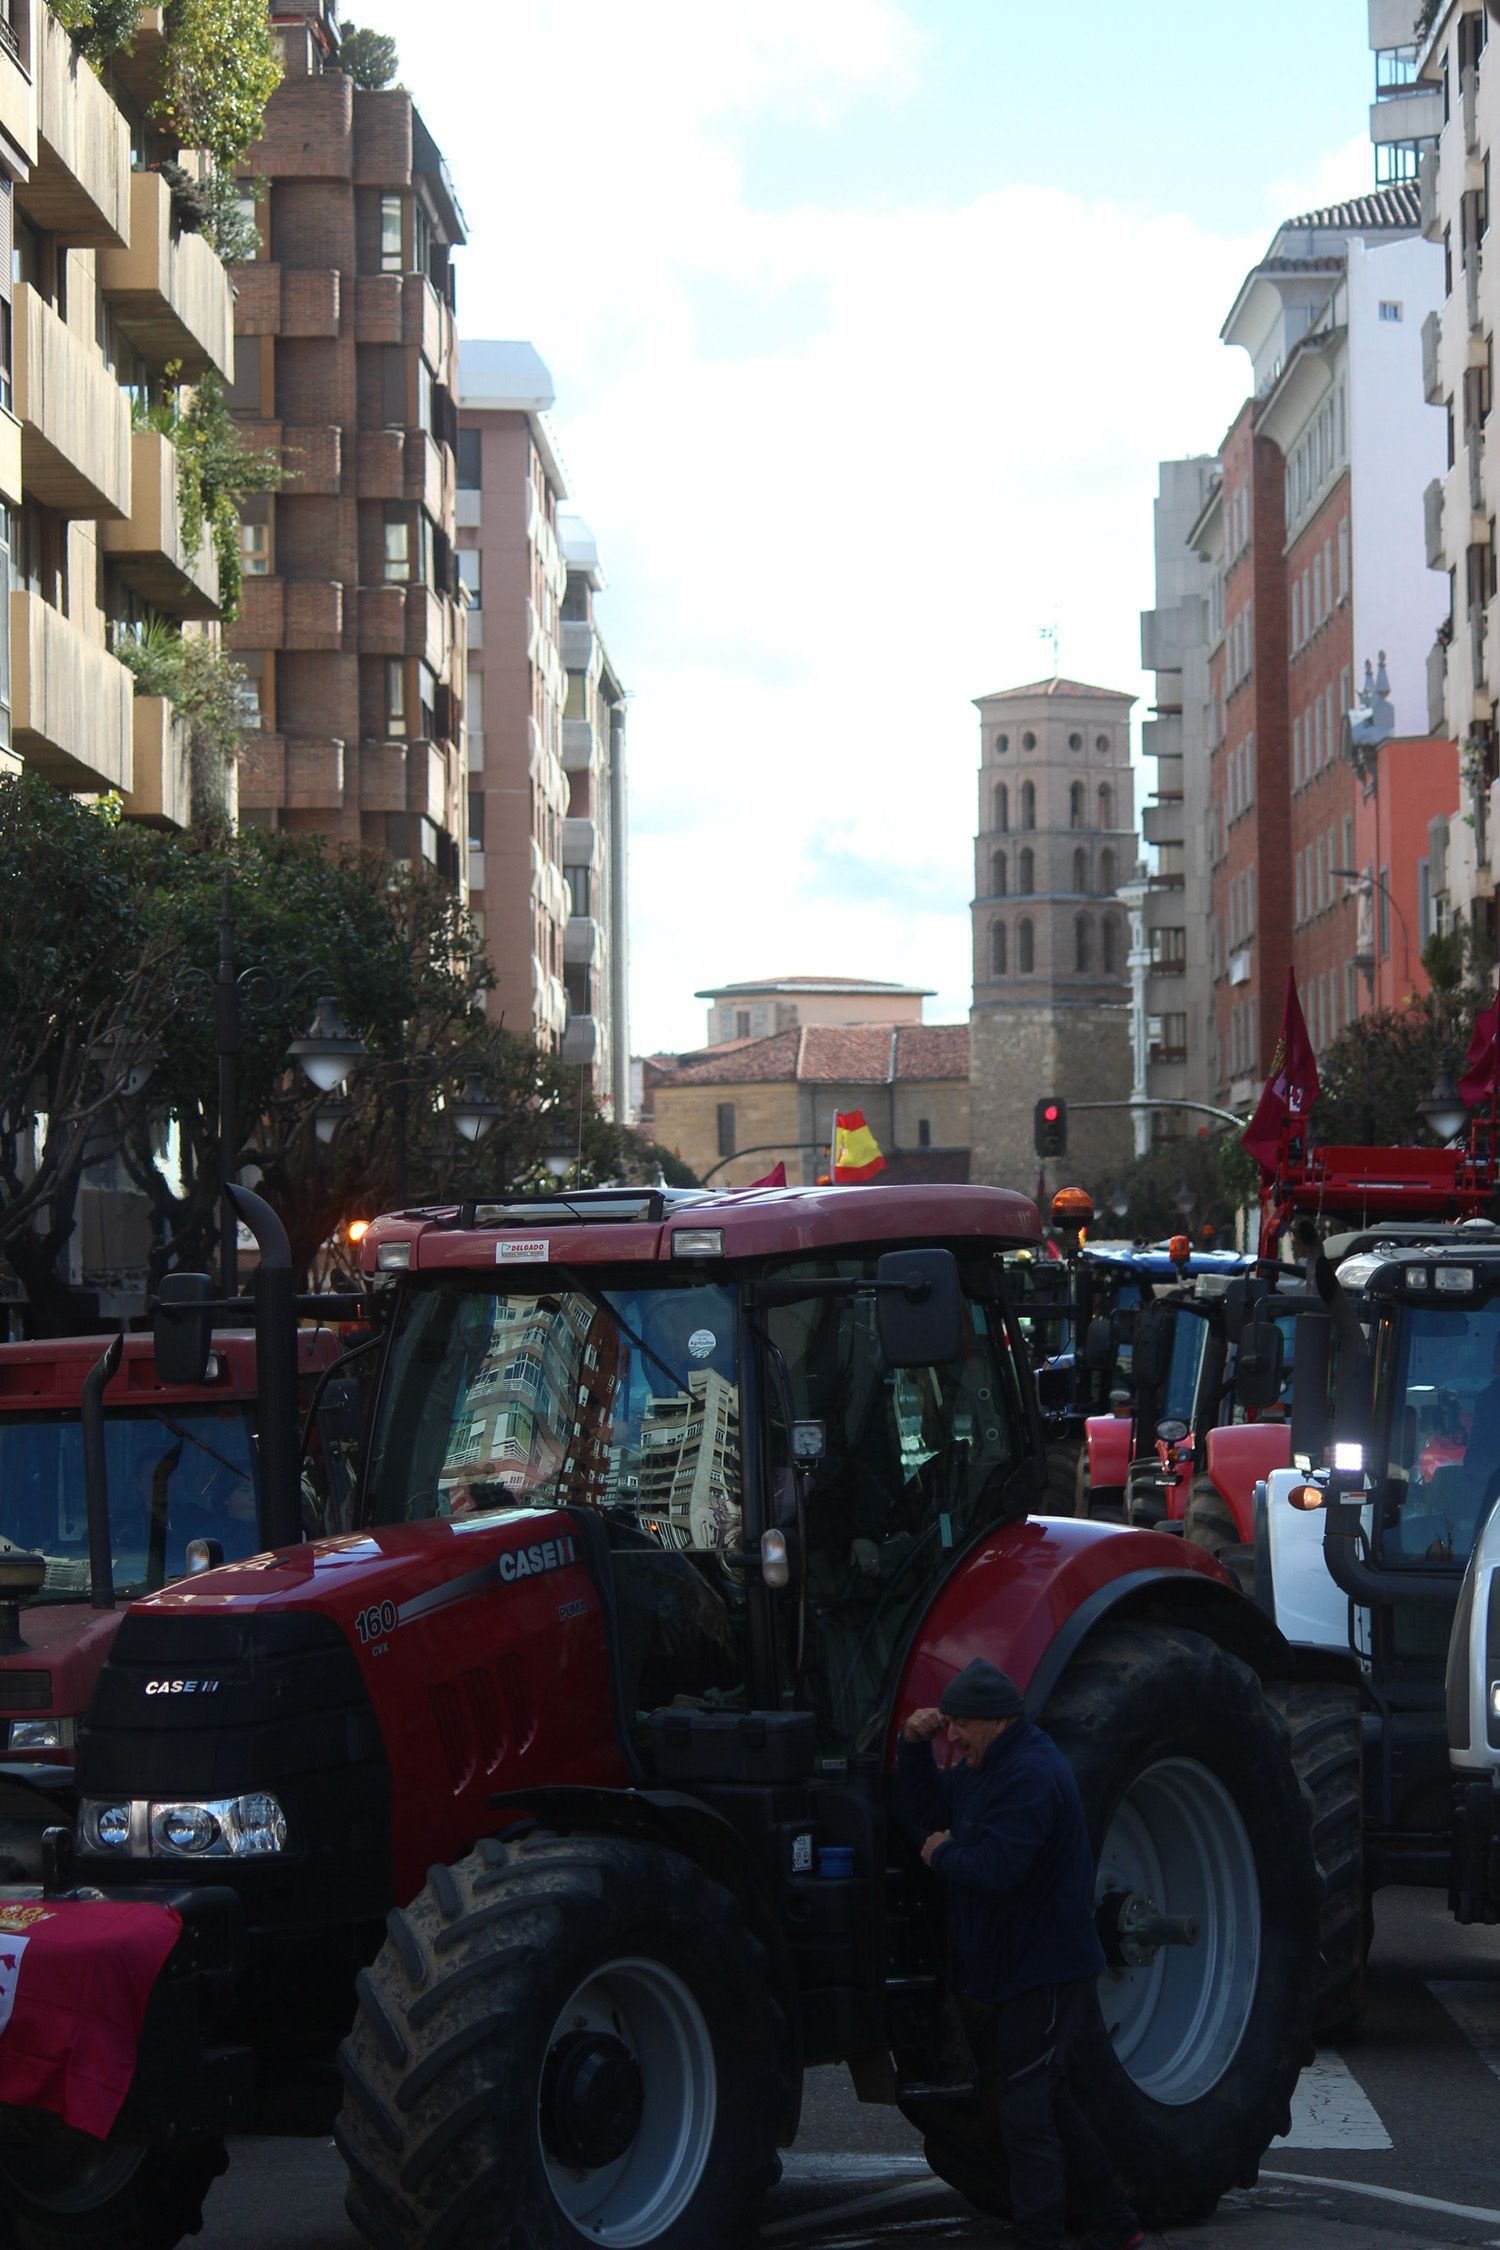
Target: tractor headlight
(42,1734)
(104,1827)
(1495,1699)
(219,1828)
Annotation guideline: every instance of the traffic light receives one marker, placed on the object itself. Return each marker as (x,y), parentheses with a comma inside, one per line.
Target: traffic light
(1050,1130)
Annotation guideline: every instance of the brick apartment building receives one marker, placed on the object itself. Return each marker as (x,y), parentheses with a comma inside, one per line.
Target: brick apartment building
(345,358)
(1311,535)
(547,855)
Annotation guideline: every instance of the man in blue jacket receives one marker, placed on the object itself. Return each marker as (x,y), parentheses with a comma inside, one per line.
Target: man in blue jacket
(1003,1830)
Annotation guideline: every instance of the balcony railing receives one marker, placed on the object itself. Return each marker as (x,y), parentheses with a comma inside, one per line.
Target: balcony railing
(1432,339)
(168,291)
(1437,687)
(1432,521)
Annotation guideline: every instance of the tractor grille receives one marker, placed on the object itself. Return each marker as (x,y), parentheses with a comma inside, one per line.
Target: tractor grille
(25,1691)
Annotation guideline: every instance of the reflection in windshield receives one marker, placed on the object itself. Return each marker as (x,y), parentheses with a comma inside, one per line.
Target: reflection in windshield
(627,1402)
(179,1474)
(1445,1447)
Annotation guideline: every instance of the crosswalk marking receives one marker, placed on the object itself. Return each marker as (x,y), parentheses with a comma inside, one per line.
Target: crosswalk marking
(1331,2109)
(1475,2008)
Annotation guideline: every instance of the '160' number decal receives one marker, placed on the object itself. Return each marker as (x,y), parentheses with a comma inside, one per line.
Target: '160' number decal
(374,1623)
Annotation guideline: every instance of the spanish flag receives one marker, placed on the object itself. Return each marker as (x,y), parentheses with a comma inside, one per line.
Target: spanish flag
(856,1152)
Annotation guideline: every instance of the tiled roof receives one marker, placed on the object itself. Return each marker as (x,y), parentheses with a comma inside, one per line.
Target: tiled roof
(1069,689)
(829,1055)
(808,984)
(1389,207)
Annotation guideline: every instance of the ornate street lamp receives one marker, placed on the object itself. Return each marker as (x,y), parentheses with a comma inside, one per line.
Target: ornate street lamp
(473,1113)
(1444,1110)
(328,1051)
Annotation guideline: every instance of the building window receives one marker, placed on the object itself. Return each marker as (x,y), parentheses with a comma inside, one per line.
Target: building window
(1107,873)
(726,1128)
(1002,808)
(1026,949)
(924,1132)
(1390,308)
(397,543)
(395,696)
(470,575)
(468,461)
(1075,803)
(999,878)
(1101,744)
(742,1023)
(1028,805)
(255,547)
(999,949)
(1026,873)
(393,410)
(1075,741)
(1081,946)
(1080,870)
(580,881)
(476,820)
(1028,742)
(1106,806)
(1002,745)
(392,247)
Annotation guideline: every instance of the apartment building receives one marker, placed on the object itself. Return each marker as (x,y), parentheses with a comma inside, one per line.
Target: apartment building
(1172,989)
(511,484)
(1056,839)
(103,289)
(345,355)
(1312,540)
(1457,101)
(595,837)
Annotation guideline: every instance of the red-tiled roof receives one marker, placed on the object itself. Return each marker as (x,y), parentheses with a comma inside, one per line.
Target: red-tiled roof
(1067,689)
(829,1055)
(932,1050)
(742,1062)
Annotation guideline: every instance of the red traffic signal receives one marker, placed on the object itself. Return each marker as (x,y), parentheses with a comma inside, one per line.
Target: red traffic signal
(1050,1126)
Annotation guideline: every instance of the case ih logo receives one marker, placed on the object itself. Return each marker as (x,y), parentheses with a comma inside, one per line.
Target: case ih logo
(182,1687)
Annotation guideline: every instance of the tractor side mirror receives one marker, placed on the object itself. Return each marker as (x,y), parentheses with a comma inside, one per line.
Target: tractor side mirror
(1311,1406)
(919,1308)
(1259,1364)
(181,1328)
(1054,1389)
(1099,1345)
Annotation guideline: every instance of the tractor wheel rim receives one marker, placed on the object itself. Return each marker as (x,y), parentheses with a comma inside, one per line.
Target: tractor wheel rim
(1177,1839)
(641,2019)
(66,2174)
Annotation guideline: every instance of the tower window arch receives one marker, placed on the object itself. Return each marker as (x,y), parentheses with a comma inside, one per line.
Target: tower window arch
(999,949)
(1082,946)
(1101,744)
(1028,804)
(1002,745)
(1107,873)
(1075,805)
(1026,948)
(1080,870)
(1002,808)
(1106,805)
(999,876)
(1111,947)
(1026,872)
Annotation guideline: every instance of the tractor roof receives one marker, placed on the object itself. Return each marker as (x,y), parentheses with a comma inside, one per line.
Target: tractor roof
(631,1226)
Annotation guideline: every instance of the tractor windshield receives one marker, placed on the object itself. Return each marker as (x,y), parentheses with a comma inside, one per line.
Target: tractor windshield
(175,1474)
(1445,1431)
(625,1399)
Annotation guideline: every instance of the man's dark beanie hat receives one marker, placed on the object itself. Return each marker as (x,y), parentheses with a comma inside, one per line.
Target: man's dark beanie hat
(981,1691)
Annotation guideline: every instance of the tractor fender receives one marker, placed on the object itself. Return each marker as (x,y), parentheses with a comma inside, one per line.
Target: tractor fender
(1237,1456)
(1108,1439)
(41,1793)
(683,1824)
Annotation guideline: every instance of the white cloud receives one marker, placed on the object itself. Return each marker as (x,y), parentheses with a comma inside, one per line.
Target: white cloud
(842,465)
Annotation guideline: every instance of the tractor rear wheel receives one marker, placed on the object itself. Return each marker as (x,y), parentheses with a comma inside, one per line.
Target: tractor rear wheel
(1105,1503)
(63,2190)
(1194,1809)
(1065,1460)
(1210,1519)
(564,2040)
(1322,1719)
(1145,1502)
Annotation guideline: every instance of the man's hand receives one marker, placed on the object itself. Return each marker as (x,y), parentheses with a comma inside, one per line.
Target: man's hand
(939,1836)
(923,1725)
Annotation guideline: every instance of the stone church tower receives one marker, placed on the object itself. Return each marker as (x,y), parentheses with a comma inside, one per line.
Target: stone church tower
(1051,985)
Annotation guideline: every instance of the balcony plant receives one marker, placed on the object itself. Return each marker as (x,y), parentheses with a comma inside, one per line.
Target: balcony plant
(98,28)
(219,70)
(216,472)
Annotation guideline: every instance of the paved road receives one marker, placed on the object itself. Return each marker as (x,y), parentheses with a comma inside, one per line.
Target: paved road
(1395,2142)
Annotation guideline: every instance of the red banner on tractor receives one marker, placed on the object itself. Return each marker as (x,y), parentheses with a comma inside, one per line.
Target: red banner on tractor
(75,1978)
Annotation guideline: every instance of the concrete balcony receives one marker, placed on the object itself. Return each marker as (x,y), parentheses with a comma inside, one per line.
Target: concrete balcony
(70,701)
(314,614)
(1432,378)
(1163,639)
(168,291)
(1471,288)
(582,941)
(474,627)
(161,790)
(429,476)
(580,843)
(311,301)
(427,631)
(427,782)
(262,618)
(18,94)
(262,772)
(382,621)
(1163,823)
(426,323)
(580,645)
(1475,450)
(577,745)
(149,547)
(1432,518)
(1428,218)
(377,309)
(1437,687)
(581,1042)
(11,481)
(1469,104)
(314,456)
(75,442)
(80,188)
(257,299)
(468,508)
(1407,117)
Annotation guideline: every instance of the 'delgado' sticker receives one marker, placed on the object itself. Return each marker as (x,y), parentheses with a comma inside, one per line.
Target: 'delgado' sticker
(702,1342)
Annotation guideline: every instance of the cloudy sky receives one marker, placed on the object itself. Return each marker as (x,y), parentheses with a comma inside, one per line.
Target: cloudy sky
(869,321)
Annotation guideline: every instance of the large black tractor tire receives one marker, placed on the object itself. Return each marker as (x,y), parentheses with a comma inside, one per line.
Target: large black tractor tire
(1145,1502)
(63,2190)
(1188,1782)
(1063,1468)
(563,2040)
(1104,1503)
(1210,1519)
(1323,1721)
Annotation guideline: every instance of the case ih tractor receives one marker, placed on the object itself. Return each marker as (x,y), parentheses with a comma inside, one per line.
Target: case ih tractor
(182,1472)
(535,1833)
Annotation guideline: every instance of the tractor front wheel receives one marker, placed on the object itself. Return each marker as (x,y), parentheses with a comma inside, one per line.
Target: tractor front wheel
(1066,1462)
(1210,1519)
(63,2190)
(564,2040)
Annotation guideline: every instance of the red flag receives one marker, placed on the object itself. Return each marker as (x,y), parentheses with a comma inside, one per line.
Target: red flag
(1482,1063)
(75,1978)
(776,1177)
(1290,1090)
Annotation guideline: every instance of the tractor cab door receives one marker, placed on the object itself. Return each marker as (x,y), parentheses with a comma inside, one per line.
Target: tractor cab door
(883,1476)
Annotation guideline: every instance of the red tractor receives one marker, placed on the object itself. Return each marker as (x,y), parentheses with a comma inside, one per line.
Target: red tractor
(536,1834)
(183,1481)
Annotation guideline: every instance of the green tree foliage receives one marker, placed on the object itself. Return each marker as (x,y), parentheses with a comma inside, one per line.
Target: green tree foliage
(99,28)
(1381,1065)
(369,57)
(220,69)
(1192,1186)
(216,472)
